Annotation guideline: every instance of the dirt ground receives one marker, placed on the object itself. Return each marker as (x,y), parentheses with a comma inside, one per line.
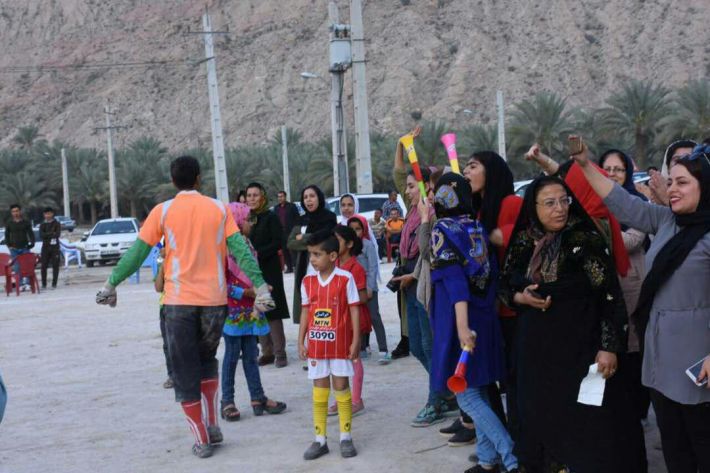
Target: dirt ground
(85,394)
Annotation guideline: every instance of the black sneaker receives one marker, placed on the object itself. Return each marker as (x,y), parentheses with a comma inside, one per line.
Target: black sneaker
(480,469)
(402,349)
(463,437)
(347,449)
(452,429)
(202,450)
(215,434)
(316,450)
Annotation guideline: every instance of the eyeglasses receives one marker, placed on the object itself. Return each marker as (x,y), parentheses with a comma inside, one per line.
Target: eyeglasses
(550,204)
(615,170)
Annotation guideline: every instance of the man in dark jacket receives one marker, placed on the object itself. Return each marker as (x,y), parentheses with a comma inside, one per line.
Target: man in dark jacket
(288,215)
(49,232)
(19,236)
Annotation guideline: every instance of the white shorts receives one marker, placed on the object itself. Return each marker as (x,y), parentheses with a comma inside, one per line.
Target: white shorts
(318,369)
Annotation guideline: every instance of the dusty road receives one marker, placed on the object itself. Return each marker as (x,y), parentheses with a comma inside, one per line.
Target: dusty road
(85,387)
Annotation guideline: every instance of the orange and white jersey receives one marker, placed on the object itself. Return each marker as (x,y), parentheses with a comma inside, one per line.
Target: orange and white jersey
(196,229)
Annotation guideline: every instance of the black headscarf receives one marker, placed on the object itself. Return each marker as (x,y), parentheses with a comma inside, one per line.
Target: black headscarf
(694,226)
(499,185)
(452,196)
(629,166)
(321,218)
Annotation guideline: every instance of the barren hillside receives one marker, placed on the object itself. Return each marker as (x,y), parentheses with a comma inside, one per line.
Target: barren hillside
(433,56)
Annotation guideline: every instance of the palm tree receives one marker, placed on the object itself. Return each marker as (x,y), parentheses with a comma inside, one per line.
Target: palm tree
(476,138)
(25,189)
(430,151)
(597,136)
(138,173)
(542,120)
(637,110)
(26,136)
(89,176)
(691,117)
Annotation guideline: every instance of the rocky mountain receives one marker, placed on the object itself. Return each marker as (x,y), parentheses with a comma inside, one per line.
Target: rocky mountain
(428,57)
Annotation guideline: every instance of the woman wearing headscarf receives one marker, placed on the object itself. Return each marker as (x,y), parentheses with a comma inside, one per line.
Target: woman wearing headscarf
(350,207)
(497,207)
(658,182)
(559,277)
(620,168)
(315,219)
(266,238)
(463,316)
(673,312)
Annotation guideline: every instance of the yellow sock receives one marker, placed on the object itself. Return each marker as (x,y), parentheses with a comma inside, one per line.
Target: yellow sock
(345,412)
(320,412)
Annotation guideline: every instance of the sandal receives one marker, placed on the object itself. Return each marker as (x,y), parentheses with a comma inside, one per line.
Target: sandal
(230,413)
(263,406)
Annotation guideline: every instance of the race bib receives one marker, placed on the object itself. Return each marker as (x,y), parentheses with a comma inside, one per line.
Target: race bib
(321,335)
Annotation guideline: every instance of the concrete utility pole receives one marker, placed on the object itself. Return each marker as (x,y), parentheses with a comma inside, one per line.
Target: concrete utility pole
(501,125)
(284,157)
(65,184)
(113,197)
(363,164)
(337,84)
(220,167)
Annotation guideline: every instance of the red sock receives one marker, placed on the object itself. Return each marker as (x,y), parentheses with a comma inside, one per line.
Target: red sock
(193,412)
(209,397)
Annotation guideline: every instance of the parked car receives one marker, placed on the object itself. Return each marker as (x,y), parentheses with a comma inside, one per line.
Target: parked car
(368,204)
(520,186)
(68,223)
(109,240)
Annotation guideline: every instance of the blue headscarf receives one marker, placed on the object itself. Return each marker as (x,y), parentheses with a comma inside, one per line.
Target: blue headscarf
(629,165)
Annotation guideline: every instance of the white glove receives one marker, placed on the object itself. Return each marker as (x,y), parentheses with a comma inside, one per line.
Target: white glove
(107,295)
(263,301)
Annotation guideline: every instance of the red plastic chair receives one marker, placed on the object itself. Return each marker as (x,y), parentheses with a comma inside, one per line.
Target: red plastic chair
(390,248)
(6,269)
(27,263)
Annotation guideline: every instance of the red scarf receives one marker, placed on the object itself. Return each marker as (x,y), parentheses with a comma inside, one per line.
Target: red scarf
(594,206)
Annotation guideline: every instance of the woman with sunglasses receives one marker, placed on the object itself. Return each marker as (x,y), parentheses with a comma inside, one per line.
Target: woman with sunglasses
(673,313)
(560,278)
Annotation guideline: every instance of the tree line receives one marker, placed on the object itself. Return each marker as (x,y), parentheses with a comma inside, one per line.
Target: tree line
(642,117)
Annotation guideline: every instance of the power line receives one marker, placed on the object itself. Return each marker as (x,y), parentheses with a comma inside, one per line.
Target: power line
(90,66)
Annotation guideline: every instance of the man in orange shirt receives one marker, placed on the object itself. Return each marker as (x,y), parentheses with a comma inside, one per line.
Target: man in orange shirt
(198,231)
(393,227)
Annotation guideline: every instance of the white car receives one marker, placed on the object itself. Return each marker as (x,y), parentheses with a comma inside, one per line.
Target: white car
(519,187)
(368,204)
(109,240)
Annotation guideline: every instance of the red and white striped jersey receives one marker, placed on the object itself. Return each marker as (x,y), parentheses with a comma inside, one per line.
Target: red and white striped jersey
(330,330)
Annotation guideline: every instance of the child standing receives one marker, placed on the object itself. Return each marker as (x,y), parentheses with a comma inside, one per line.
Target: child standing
(330,318)
(243,326)
(370,260)
(159,284)
(350,247)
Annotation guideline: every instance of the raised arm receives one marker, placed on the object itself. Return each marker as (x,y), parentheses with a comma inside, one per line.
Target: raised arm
(548,165)
(628,209)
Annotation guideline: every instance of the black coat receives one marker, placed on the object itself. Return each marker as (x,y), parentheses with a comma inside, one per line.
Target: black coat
(266,238)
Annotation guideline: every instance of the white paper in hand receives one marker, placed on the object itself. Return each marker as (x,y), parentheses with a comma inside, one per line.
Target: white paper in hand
(591,391)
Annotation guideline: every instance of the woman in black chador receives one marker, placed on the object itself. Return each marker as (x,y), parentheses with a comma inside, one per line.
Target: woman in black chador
(560,278)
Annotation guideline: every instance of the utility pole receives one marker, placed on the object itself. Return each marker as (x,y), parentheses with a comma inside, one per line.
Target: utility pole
(220,167)
(113,198)
(65,184)
(363,164)
(339,61)
(284,157)
(501,125)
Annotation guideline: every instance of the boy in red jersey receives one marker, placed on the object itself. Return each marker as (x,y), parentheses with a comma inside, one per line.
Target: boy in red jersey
(330,317)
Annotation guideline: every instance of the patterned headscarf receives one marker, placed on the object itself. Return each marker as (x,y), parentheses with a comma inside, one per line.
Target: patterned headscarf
(240,213)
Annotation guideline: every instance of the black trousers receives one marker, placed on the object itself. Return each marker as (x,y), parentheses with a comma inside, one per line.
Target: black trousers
(168,365)
(50,255)
(288,259)
(193,334)
(685,434)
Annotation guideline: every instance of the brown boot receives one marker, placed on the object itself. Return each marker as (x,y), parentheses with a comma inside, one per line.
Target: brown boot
(266,360)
